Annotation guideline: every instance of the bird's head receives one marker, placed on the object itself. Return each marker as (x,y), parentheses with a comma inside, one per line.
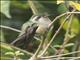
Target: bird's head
(43,23)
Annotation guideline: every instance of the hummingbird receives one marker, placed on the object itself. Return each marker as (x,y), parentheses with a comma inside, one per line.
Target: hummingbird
(36,25)
(42,22)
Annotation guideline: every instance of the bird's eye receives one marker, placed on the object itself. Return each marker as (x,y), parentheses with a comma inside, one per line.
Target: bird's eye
(37,18)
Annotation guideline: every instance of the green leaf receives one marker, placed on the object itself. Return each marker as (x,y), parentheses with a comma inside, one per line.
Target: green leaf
(6,47)
(9,53)
(21,53)
(69,44)
(75,26)
(65,51)
(62,8)
(18,53)
(5,5)
(57,46)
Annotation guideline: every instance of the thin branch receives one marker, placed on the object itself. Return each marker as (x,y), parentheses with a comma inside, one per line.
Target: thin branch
(38,39)
(7,27)
(72,58)
(48,57)
(75,58)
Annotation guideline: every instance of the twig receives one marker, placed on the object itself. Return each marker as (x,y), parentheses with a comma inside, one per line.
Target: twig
(7,27)
(48,57)
(71,58)
(38,39)
(54,36)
